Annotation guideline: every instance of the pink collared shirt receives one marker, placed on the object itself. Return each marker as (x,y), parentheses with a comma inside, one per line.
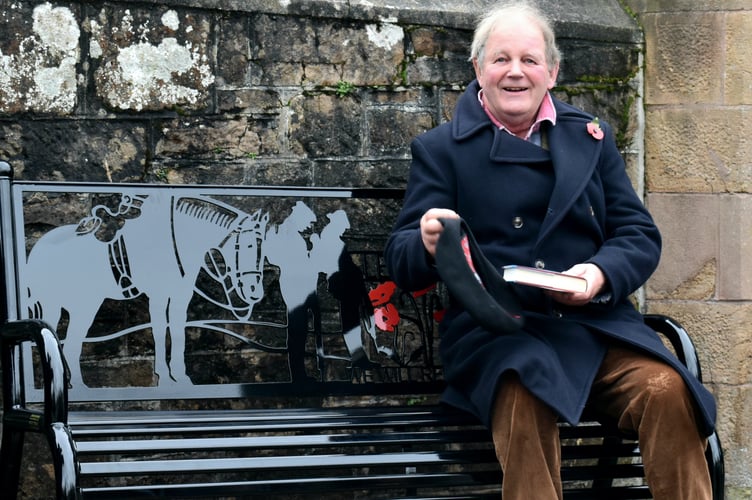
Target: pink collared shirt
(546,112)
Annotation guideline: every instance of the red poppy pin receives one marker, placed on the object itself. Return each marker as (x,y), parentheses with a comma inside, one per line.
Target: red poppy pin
(594,129)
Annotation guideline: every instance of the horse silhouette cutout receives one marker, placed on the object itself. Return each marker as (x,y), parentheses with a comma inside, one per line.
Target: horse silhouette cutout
(153,245)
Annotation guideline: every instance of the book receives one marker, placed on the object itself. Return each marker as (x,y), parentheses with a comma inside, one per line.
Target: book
(542,278)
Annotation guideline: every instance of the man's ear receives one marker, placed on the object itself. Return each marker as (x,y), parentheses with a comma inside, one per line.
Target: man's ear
(553,74)
(477,67)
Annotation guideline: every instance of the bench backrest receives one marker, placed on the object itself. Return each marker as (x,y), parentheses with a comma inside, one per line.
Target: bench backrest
(203,292)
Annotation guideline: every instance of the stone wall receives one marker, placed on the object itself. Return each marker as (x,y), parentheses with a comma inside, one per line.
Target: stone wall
(307,92)
(698,92)
(329,92)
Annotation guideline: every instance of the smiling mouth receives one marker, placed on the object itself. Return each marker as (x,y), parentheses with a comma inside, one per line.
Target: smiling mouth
(515,89)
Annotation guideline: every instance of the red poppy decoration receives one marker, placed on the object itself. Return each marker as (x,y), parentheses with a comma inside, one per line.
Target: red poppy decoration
(386,318)
(594,129)
(382,293)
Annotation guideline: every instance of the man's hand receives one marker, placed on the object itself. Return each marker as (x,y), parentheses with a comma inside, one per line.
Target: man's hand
(431,228)
(595,279)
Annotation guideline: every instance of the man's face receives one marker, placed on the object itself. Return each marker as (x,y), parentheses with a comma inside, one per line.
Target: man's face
(514,74)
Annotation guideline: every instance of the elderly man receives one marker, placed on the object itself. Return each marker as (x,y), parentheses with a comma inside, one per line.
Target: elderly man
(542,184)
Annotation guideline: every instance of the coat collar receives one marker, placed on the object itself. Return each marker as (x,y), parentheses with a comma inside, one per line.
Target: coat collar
(574,152)
(469,117)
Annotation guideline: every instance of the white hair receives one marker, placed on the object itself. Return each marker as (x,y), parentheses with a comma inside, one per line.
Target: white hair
(490,19)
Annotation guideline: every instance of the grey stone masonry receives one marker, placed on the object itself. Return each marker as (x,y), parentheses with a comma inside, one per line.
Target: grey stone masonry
(252,91)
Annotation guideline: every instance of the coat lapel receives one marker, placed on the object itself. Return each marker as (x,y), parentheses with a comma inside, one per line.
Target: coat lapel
(574,154)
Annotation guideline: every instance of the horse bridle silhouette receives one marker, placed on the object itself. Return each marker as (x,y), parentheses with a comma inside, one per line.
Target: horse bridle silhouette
(231,277)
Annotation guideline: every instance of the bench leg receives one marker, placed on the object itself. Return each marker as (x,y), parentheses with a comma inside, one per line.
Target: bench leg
(606,483)
(11,451)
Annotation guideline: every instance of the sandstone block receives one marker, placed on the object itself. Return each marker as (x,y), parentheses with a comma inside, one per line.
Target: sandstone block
(738,75)
(706,247)
(736,438)
(720,331)
(673,71)
(735,248)
(692,149)
(689,260)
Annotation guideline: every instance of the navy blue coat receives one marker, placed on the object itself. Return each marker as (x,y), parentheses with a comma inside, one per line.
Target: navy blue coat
(571,204)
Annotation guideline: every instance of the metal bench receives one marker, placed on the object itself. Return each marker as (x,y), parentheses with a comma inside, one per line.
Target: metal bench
(240,342)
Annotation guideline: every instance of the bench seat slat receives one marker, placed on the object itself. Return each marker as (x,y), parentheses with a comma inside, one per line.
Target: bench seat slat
(366,482)
(304,485)
(318,462)
(151,424)
(279,420)
(436,415)
(612,493)
(302,414)
(595,472)
(276,441)
(147,446)
(277,463)
(370,482)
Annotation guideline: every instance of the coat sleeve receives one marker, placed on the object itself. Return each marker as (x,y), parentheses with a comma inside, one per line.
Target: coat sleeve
(430,185)
(632,246)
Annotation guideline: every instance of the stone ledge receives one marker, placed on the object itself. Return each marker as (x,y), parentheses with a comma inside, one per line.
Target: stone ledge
(602,20)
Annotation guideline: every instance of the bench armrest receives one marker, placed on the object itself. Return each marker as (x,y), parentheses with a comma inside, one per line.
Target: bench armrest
(55,374)
(679,339)
(685,351)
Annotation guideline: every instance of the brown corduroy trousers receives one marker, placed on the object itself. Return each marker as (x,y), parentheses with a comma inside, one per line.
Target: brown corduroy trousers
(645,397)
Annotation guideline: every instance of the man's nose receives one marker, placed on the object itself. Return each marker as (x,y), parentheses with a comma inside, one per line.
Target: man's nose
(515,67)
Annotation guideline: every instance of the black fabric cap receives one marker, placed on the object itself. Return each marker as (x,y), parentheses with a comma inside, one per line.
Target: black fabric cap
(491,300)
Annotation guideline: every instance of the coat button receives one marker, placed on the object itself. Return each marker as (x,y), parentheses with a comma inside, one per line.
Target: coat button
(557,314)
(517,222)
(540,264)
